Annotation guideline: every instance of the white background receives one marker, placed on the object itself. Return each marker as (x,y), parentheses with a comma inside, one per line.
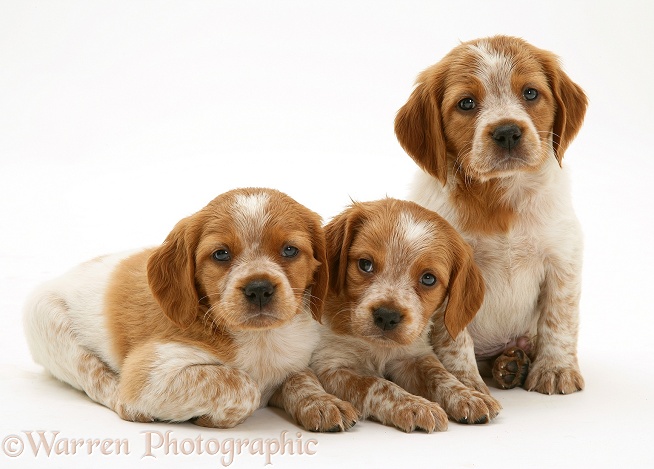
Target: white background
(118,118)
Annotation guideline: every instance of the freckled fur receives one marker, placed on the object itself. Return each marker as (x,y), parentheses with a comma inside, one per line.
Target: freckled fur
(393,376)
(515,211)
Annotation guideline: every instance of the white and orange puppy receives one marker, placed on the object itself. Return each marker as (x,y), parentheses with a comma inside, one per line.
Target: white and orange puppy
(213,324)
(394,268)
(489,125)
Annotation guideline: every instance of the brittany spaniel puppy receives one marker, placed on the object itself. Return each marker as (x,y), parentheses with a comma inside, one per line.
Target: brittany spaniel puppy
(216,322)
(489,125)
(395,268)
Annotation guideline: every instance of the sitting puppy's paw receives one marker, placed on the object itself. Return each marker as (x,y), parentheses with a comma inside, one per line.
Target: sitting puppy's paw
(511,368)
(554,380)
(326,413)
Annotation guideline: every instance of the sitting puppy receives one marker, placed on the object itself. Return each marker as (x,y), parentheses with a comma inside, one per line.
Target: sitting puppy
(208,327)
(489,125)
(394,266)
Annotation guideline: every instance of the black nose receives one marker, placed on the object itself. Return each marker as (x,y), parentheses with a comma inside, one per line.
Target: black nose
(507,136)
(386,319)
(259,292)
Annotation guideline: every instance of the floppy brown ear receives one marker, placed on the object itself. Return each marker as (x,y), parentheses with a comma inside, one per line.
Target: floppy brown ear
(466,291)
(171,275)
(419,127)
(321,275)
(339,233)
(571,104)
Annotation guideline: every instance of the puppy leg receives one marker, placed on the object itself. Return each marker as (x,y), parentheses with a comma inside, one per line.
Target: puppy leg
(555,368)
(426,376)
(457,355)
(386,402)
(179,382)
(302,396)
(54,345)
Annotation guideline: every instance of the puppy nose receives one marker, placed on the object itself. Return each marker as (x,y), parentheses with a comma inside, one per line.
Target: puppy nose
(386,319)
(259,292)
(507,136)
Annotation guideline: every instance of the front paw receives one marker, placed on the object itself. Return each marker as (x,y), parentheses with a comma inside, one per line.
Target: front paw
(415,413)
(554,380)
(471,407)
(326,413)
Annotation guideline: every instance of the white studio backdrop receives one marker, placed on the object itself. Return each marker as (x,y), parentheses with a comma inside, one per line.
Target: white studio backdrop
(118,118)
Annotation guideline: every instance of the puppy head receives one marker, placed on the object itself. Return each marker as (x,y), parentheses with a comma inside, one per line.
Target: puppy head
(489,108)
(251,259)
(392,265)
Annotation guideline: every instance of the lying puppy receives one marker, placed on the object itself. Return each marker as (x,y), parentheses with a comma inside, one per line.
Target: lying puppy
(393,267)
(208,327)
(489,125)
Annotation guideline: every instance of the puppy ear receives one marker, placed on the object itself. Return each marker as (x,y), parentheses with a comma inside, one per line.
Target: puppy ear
(571,104)
(171,274)
(465,290)
(321,274)
(419,127)
(339,233)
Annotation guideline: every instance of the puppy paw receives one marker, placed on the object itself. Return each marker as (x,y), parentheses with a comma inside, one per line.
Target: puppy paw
(471,407)
(326,413)
(416,413)
(554,380)
(511,368)
(493,404)
(225,410)
(231,413)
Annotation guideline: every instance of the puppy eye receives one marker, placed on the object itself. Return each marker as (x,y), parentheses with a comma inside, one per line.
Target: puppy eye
(221,255)
(467,104)
(428,280)
(365,265)
(290,251)
(530,94)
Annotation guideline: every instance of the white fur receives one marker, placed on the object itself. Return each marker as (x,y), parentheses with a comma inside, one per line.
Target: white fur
(493,67)
(75,299)
(412,231)
(250,216)
(269,356)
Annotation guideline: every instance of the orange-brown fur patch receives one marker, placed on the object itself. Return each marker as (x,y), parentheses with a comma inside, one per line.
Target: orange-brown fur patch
(134,316)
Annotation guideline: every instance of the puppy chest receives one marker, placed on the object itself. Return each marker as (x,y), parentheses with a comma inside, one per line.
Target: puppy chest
(269,356)
(513,268)
(517,257)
